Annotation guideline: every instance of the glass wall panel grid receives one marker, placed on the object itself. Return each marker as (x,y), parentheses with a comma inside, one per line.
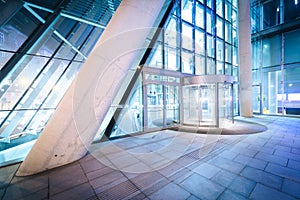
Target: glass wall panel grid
(187,62)
(279,75)
(187,37)
(220,27)
(199,42)
(199,37)
(228,13)
(220,7)
(255,18)
(210,22)
(171,44)
(187,8)
(200,15)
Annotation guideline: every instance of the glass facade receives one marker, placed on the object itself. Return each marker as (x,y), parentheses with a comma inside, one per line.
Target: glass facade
(42,47)
(198,38)
(276,61)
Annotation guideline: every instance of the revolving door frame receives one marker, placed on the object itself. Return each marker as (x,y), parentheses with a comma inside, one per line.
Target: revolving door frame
(198,80)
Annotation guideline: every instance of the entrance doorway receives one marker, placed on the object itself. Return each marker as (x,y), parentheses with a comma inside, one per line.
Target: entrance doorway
(199,105)
(162,104)
(207,100)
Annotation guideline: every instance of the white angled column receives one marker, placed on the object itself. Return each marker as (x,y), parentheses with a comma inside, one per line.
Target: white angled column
(245,68)
(74,124)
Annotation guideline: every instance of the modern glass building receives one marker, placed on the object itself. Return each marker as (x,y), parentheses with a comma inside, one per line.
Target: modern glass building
(276,61)
(187,76)
(198,38)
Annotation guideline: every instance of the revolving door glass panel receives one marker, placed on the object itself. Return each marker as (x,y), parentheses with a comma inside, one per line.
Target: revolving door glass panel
(207,100)
(225,93)
(199,102)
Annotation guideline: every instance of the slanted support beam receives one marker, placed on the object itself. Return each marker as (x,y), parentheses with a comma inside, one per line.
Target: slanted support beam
(74,124)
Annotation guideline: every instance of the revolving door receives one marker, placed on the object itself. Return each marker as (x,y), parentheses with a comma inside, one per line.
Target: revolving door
(207,100)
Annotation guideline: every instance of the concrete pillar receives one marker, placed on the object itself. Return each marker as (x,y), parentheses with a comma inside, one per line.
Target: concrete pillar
(244,30)
(74,124)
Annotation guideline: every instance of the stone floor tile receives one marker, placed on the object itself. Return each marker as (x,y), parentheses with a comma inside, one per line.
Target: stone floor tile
(136,196)
(288,155)
(192,197)
(170,169)
(224,178)
(42,194)
(230,195)
(227,164)
(180,176)
(7,174)
(100,172)
(252,162)
(294,164)
(257,163)
(14,193)
(245,151)
(262,192)
(2,192)
(283,148)
(91,165)
(296,150)
(84,191)
(105,179)
(201,187)
(262,177)
(144,180)
(242,186)
(27,187)
(139,167)
(285,172)
(121,161)
(265,149)
(155,187)
(170,191)
(242,159)
(185,161)
(207,170)
(291,187)
(272,158)
(228,154)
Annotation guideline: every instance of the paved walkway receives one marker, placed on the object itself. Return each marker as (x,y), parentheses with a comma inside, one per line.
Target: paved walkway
(175,165)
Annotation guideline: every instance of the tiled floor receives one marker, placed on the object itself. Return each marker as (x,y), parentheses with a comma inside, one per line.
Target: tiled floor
(176,165)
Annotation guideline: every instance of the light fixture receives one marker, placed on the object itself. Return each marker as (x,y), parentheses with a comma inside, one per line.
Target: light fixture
(278,9)
(291,84)
(296,2)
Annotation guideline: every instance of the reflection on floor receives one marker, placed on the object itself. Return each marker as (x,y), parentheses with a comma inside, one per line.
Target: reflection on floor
(176,165)
(239,127)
